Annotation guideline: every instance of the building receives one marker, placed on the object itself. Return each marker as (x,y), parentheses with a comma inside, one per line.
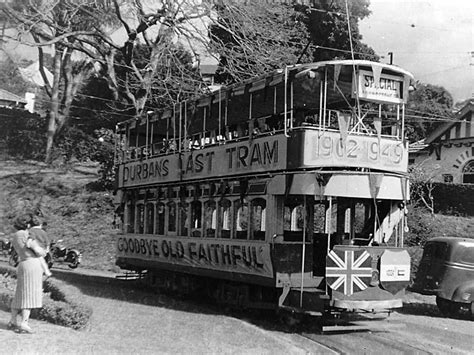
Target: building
(447,155)
(8,99)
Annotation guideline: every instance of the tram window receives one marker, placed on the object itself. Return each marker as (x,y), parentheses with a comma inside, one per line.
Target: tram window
(196,218)
(183,219)
(241,220)
(131,218)
(160,218)
(319,218)
(361,214)
(140,218)
(150,218)
(225,218)
(258,216)
(172,217)
(331,219)
(293,220)
(210,219)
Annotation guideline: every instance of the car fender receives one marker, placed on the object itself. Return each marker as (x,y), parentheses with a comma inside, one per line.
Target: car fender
(464,293)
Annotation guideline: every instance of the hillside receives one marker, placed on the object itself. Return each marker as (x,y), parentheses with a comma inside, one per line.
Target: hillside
(83,218)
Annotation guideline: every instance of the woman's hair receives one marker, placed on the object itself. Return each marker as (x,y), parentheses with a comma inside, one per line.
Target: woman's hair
(21,222)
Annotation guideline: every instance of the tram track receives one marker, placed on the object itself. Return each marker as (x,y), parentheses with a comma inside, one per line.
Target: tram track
(363,342)
(416,334)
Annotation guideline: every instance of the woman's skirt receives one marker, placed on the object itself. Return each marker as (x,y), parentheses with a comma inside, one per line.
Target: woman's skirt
(29,287)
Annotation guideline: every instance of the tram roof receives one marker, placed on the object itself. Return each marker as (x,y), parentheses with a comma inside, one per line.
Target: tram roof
(355,63)
(277,76)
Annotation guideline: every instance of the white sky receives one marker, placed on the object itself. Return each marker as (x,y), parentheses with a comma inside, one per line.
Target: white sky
(433,39)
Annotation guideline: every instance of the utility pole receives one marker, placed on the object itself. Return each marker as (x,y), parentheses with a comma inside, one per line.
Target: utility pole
(391,57)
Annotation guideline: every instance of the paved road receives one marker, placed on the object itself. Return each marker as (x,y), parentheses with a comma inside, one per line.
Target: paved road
(127,321)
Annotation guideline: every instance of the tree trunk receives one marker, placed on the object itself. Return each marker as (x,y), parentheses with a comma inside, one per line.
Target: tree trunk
(54,112)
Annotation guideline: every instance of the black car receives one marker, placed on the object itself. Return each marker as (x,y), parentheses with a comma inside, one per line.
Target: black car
(447,271)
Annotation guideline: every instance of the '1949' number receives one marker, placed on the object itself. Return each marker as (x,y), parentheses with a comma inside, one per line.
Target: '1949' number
(329,146)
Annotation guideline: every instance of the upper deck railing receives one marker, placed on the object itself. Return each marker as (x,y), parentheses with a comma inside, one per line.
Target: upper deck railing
(355,98)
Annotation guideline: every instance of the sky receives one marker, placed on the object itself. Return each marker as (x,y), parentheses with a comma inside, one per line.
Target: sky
(433,39)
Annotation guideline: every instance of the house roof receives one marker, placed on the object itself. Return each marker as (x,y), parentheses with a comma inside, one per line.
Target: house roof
(8,96)
(208,69)
(466,109)
(415,147)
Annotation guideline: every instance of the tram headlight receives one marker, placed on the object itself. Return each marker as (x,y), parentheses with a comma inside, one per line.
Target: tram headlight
(375,278)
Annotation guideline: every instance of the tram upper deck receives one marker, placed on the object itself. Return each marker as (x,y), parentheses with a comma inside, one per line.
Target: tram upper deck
(327,115)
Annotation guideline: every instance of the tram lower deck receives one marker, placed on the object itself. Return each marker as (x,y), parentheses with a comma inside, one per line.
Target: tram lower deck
(275,241)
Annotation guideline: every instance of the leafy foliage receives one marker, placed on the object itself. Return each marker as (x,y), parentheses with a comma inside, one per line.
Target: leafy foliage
(252,37)
(421,187)
(74,143)
(454,199)
(429,106)
(420,225)
(23,133)
(61,302)
(11,78)
(327,24)
(104,154)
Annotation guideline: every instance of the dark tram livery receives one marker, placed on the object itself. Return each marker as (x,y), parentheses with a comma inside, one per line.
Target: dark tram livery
(285,191)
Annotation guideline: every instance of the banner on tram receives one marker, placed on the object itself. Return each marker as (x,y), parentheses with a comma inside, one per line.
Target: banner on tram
(234,256)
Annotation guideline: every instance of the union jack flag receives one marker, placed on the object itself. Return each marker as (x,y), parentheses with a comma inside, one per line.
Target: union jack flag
(348,271)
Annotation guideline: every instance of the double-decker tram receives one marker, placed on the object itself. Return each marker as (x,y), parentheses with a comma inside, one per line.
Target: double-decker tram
(285,191)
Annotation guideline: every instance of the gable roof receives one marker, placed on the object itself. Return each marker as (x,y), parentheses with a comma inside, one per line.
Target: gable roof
(11,97)
(441,130)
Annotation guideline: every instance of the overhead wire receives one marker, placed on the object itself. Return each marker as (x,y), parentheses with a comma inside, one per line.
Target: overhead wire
(293,42)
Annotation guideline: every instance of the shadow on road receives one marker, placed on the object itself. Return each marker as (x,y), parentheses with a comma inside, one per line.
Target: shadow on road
(133,291)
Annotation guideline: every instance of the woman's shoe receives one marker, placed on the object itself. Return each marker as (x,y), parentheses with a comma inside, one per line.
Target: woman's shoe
(25,328)
(12,326)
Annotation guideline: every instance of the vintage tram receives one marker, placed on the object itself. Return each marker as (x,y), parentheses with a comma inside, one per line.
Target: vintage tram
(287,191)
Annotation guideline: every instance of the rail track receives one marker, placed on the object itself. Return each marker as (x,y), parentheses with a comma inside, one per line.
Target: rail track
(398,334)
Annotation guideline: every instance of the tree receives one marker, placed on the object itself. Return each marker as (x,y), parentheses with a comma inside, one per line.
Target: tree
(252,38)
(57,24)
(421,187)
(326,21)
(429,106)
(152,64)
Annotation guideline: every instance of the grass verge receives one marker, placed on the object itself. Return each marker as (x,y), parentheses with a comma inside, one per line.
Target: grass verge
(61,301)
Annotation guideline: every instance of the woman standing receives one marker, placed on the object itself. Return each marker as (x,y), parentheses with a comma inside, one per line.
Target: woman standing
(29,288)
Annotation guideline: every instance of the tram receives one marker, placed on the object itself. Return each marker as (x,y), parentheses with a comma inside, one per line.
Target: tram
(286,191)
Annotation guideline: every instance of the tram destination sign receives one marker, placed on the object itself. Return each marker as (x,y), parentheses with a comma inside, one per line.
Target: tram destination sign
(358,151)
(387,88)
(233,256)
(259,155)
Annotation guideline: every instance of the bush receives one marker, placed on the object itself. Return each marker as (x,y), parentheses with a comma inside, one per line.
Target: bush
(23,133)
(73,143)
(61,302)
(420,225)
(454,199)
(65,314)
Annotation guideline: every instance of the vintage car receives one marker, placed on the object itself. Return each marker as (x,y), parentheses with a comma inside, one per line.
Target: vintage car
(447,271)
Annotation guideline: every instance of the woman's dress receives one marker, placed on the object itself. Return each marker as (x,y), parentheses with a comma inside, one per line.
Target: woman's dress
(29,289)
